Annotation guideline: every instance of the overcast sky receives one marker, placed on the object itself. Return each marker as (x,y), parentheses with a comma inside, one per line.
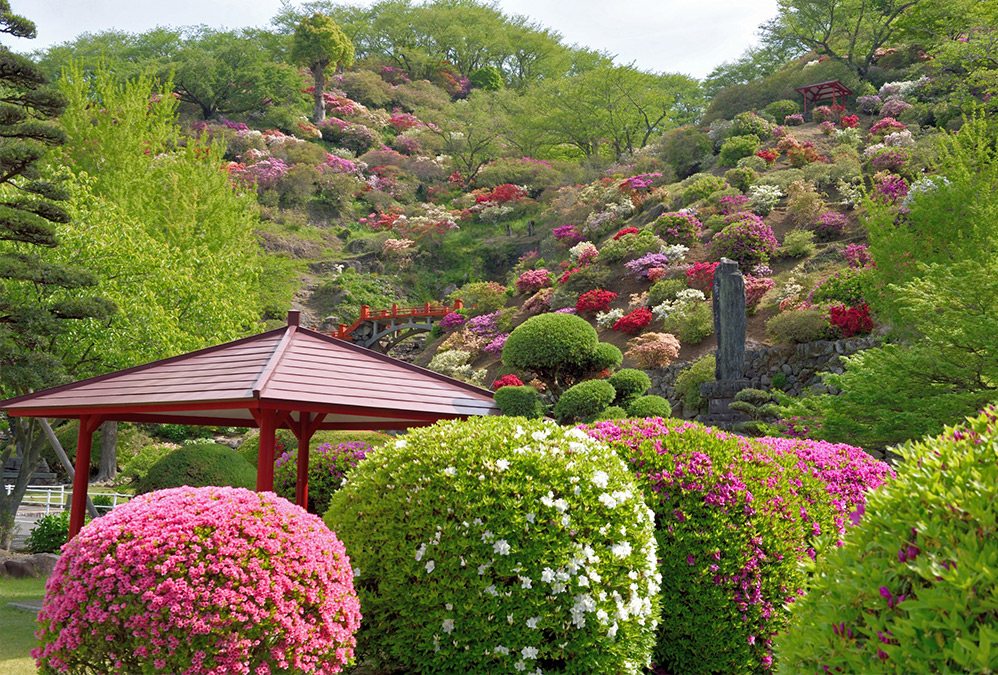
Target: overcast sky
(679,36)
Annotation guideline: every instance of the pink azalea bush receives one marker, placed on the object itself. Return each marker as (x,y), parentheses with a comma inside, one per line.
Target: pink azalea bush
(200,581)
(749,241)
(735,518)
(328,466)
(532,281)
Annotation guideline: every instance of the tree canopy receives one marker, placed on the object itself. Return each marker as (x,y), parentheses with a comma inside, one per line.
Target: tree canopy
(319,43)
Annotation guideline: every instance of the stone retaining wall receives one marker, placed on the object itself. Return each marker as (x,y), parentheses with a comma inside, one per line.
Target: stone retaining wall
(801,364)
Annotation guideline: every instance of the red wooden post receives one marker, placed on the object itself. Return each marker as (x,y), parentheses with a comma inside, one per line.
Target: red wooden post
(304,441)
(341,332)
(426,308)
(81,474)
(365,312)
(265,459)
(458,304)
(395,309)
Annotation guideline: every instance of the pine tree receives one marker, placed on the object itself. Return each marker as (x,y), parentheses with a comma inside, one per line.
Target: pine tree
(32,312)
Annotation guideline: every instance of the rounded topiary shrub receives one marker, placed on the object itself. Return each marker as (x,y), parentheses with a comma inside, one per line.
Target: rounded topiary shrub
(284,441)
(649,406)
(748,241)
(629,383)
(584,401)
(913,588)
(199,465)
(519,402)
(328,466)
(735,519)
(497,545)
(550,343)
(198,581)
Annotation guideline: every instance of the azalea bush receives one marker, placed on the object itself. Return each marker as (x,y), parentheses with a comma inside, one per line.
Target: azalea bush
(509,380)
(845,286)
(700,275)
(595,301)
(755,289)
(828,226)
(532,281)
(912,589)
(851,321)
(653,350)
(558,575)
(630,245)
(735,519)
(633,322)
(152,588)
(680,227)
(748,241)
(328,466)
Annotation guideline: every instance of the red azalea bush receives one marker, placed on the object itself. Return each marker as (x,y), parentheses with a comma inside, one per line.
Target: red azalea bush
(200,581)
(595,301)
(849,121)
(507,381)
(888,125)
(625,231)
(532,281)
(770,155)
(755,289)
(735,518)
(851,320)
(634,321)
(700,275)
(568,274)
(501,194)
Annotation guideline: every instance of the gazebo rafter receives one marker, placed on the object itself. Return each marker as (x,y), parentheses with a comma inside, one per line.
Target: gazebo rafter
(287,378)
(821,91)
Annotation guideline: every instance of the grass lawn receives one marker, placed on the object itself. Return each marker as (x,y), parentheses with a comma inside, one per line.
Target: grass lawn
(18,625)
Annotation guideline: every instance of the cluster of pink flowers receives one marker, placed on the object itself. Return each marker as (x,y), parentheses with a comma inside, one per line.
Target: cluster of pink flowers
(201,581)
(755,289)
(451,321)
(640,183)
(532,281)
(567,235)
(891,190)
(857,255)
(264,174)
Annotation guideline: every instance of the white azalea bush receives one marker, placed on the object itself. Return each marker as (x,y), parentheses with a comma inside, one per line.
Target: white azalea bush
(500,545)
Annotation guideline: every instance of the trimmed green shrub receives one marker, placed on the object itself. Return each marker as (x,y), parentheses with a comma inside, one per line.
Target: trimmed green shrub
(752,163)
(693,325)
(845,286)
(614,412)
(798,244)
(199,465)
(749,124)
(799,326)
(606,357)
(284,441)
(741,178)
(328,466)
(912,590)
(630,246)
(737,147)
(649,406)
(498,545)
(583,401)
(135,469)
(780,109)
(629,383)
(701,186)
(588,279)
(519,402)
(689,380)
(665,291)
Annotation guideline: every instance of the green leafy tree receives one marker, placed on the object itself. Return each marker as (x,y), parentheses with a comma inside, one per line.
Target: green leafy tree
(847,31)
(935,283)
(319,43)
(33,312)
(470,130)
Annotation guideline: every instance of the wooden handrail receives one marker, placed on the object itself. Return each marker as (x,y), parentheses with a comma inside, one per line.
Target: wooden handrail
(344,331)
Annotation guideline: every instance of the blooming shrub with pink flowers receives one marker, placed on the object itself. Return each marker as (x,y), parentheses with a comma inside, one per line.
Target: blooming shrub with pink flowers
(700,275)
(200,581)
(328,466)
(828,226)
(532,281)
(748,241)
(755,289)
(735,518)
(679,227)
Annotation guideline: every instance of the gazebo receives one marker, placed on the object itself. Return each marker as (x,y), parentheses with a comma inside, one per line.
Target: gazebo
(289,377)
(821,91)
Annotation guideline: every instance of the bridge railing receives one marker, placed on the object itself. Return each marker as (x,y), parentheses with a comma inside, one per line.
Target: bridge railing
(395,312)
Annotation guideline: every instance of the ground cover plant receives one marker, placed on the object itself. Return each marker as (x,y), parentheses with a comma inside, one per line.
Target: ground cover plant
(558,574)
(153,587)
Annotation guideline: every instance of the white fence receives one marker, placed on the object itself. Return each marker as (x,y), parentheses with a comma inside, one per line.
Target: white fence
(55,498)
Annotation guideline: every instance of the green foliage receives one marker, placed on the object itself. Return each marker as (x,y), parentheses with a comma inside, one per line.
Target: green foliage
(629,383)
(798,244)
(344,295)
(693,325)
(535,176)
(583,401)
(911,589)
(486,296)
(199,465)
(606,357)
(780,109)
(284,441)
(736,147)
(750,124)
(488,78)
(462,523)
(683,148)
(845,286)
(649,406)
(614,412)
(799,326)
(136,468)
(317,44)
(741,178)
(520,402)
(804,204)
(630,246)
(49,533)
(551,345)
(588,279)
(702,186)
(689,380)
(664,291)
(946,367)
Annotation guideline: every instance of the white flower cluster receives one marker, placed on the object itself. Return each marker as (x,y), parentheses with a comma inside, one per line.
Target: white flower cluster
(495,213)
(675,253)
(454,363)
(922,186)
(764,197)
(790,290)
(848,137)
(607,319)
(684,299)
(852,193)
(901,90)
(583,248)
(899,139)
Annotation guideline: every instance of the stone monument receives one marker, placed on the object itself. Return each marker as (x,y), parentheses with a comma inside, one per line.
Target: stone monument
(729,326)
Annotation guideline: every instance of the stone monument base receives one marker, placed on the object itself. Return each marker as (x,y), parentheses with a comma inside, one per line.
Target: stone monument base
(720,395)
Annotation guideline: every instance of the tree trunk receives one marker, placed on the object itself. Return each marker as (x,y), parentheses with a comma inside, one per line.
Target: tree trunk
(319,111)
(26,442)
(64,458)
(108,469)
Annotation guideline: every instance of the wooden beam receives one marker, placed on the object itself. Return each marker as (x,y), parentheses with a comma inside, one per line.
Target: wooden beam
(81,477)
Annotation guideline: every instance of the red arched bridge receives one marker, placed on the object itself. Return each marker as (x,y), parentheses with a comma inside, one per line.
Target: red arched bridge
(383,329)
